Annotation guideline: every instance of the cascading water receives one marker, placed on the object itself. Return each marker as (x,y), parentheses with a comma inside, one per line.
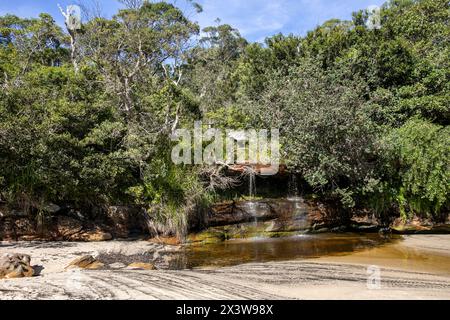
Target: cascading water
(252,205)
(251,184)
(293,192)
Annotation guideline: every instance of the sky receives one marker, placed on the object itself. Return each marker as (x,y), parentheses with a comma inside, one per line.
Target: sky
(255,19)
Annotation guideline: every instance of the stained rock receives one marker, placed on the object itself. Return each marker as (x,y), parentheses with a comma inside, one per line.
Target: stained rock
(95,236)
(86,262)
(141,266)
(15,266)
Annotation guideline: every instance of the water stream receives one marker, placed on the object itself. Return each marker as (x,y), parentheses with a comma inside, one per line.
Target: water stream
(251,184)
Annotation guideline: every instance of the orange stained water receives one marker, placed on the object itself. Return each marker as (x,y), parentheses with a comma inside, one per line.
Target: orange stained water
(368,249)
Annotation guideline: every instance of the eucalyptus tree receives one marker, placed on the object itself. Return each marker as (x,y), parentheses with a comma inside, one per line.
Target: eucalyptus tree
(212,63)
(130,50)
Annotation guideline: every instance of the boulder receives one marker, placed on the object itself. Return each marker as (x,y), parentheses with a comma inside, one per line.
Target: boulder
(15,266)
(86,262)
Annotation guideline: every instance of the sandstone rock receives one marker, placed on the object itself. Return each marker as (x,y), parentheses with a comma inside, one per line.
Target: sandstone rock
(15,266)
(418,225)
(239,212)
(68,227)
(95,236)
(290,214)
(141,266)
(86,262)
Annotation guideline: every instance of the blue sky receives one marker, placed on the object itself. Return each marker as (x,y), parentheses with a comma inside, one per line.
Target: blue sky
(256,19)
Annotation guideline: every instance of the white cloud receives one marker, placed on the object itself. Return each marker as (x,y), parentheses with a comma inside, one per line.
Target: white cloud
(250,17)
(257,19)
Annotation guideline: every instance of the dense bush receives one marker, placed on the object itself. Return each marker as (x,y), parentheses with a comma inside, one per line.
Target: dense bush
(86,116)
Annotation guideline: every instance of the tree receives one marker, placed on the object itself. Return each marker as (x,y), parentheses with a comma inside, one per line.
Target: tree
(419,151)
(211,66)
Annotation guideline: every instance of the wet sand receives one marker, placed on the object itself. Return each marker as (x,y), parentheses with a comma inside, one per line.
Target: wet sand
(416,268)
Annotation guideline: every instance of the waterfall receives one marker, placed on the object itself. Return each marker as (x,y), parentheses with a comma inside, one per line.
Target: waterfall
(293,186)
(252,184)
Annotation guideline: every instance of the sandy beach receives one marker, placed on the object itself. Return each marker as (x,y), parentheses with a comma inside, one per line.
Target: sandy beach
(418,267)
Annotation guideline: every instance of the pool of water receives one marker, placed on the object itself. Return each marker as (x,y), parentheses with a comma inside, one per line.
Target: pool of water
(236,252)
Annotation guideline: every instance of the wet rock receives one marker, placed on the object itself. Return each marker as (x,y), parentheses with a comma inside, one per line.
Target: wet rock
(86,262)
(209,236)
(322,230)
(15,266)
(239,212)
(141,266)
(367,228)
(286,215)
(417,225)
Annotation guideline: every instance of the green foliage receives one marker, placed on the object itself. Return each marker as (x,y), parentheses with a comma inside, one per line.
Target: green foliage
(97,135)
(363,113)
(423,153)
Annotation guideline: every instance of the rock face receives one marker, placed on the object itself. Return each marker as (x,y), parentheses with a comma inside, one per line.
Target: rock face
(286,215)
(268,218)
(15,266)
(68,227)
(86,262)
(126,220)
(95,236)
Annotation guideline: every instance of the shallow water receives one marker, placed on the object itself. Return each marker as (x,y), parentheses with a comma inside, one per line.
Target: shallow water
(236,252)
